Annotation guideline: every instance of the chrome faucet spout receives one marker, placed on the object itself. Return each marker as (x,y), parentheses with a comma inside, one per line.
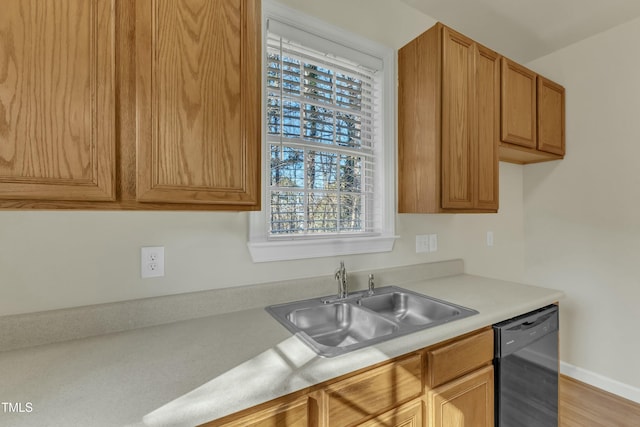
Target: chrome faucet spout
(341,277)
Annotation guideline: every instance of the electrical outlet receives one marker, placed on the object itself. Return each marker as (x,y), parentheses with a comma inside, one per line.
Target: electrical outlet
(422,243)
(152,261)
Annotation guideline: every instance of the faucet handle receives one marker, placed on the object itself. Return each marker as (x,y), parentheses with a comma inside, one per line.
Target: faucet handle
(340,271)
(371,284)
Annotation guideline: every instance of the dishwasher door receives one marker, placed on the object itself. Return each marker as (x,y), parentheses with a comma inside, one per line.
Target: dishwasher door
(526,366)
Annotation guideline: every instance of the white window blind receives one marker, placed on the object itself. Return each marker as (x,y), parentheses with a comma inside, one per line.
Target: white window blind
(323,136)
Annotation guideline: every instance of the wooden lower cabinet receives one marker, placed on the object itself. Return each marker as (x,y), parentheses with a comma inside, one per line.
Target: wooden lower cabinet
(290,414)
(354,399)
(458,357)
(409,415)
(465,402)
(446,385)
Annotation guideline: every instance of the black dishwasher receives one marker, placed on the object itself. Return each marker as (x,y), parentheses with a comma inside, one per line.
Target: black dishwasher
(526,369)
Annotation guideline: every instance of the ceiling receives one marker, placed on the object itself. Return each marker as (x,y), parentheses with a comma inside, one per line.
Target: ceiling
(528,29)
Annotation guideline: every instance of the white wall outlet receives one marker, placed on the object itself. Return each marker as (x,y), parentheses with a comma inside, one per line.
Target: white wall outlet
(433,242)
(489,238)
(422,243)
(152,261)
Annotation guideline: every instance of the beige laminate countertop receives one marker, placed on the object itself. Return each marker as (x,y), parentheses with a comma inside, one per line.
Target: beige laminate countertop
(190,372)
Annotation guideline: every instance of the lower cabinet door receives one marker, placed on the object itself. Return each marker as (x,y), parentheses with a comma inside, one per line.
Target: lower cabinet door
(465,402)
(292,414)
(353,400)
(407,415)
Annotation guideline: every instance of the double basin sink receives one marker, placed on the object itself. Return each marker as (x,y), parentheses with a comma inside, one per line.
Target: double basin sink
(333,326)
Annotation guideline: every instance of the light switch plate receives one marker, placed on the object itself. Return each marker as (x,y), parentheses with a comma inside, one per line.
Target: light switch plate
(422,243)
(433,242)
(489,238)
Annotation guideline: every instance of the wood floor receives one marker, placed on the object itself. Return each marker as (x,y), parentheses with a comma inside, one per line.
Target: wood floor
(582,405)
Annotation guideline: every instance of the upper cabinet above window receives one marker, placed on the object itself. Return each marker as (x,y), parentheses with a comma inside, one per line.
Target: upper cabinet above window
(150,104)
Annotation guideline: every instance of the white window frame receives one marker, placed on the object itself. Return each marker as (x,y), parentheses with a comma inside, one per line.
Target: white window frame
(262,248)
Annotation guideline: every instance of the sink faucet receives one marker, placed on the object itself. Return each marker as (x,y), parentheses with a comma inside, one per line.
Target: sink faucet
(341,277)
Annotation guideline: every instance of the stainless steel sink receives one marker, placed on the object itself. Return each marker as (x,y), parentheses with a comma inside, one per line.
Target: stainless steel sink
(332,326)
(409,308)
(340,324)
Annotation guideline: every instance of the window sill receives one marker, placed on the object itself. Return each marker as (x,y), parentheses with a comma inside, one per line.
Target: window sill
(267,251)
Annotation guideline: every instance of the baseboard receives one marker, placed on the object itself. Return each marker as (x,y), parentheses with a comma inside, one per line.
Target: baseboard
(596,380)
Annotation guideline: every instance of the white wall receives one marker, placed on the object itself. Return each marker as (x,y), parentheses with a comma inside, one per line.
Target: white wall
(582,214)
(61,259)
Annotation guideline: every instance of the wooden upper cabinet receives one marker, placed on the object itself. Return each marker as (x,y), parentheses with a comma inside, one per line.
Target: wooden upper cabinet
(165,115)
(550,116)
(532,116)
(518,104)
(198,101)
(458,108)
(448,124)
(57,106)
(470,123)
(488,128)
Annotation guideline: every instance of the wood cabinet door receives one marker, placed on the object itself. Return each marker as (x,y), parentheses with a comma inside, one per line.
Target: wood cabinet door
(459,357)
(354,399)
(487,112)
(518,104)
(408,415)
(466,402)
(198,101)
(419,113)
(458,100)
(550,116)
(57,108)
(285,414)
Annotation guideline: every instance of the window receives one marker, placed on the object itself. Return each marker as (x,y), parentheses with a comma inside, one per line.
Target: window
(328,160)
